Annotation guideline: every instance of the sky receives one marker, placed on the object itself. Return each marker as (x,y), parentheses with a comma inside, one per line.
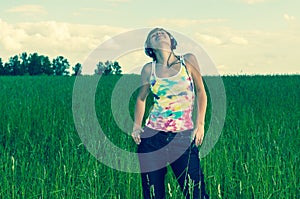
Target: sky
(240,36)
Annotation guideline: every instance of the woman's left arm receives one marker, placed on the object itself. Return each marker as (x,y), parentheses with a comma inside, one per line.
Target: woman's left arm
(201,97)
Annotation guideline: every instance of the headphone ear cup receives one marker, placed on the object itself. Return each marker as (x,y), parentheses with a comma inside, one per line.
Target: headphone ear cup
(149,52)
(173,43)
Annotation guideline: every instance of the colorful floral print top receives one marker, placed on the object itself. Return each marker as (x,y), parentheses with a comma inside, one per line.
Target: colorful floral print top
(173,101)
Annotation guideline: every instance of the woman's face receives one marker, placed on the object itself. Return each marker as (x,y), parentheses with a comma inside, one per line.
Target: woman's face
(160,39)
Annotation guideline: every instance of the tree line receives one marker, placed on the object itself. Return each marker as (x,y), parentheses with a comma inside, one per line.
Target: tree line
(35,64)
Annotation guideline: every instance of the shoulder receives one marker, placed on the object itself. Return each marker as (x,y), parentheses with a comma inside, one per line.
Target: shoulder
(190,58)
(146,70)
(191,62)
(147,67)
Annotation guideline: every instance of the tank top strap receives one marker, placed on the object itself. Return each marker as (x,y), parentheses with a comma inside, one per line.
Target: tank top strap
(153,68)
(181,58)
(183,64)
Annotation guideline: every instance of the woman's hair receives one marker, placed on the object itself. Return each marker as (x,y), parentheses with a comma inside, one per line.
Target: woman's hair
(149,50)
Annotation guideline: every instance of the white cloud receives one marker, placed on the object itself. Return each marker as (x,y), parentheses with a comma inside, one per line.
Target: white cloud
(51,38)
(223,37)
(11,44)
(184,22)
(239,40)
(266,51)
(11,37)
(208,39)
(288,18)
(110,43)
(28,10)
(221,68)
(232,50)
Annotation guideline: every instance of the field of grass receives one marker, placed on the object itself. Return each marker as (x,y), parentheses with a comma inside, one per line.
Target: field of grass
(42,155)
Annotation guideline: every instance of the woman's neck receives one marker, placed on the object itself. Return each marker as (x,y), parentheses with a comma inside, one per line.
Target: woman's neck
(165,58)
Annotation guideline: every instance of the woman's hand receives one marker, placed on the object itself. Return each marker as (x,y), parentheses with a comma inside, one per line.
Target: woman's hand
(136,135)
(198,135)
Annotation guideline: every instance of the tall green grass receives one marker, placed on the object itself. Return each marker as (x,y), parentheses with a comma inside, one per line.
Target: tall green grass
(42,156)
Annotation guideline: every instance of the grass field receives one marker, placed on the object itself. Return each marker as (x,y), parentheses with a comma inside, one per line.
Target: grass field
(42,156)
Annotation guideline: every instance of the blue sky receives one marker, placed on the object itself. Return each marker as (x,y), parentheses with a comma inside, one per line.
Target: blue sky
(241,36)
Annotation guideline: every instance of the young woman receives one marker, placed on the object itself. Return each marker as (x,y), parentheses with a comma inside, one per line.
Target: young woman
(170,137)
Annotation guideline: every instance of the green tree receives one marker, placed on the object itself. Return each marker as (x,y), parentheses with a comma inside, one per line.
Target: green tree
(34,64)
(100,68)
(60,66)
(15,65)
(7,69)
(39,64)
(116,68)
(77,69)
(1,67)
(46,65)
(24,63)
(108,68)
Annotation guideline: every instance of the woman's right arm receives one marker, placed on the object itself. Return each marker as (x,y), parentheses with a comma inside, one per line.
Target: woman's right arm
(141,103)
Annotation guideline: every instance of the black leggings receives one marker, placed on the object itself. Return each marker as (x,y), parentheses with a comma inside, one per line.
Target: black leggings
(158,149)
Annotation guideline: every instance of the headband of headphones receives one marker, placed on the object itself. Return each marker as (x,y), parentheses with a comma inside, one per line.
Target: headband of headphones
(149,51)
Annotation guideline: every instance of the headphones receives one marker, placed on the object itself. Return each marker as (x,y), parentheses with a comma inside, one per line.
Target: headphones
(149,51)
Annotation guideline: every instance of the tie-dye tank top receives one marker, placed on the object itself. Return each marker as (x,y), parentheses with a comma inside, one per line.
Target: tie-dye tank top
(173,101)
